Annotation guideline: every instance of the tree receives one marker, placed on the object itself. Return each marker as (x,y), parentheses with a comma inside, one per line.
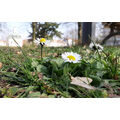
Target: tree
(76,32)
(79,33)
(34,30)
(114,30)
(46,30)
(86,32)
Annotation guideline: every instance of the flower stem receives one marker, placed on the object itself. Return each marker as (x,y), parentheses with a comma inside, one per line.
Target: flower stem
(41,51)
(67,73)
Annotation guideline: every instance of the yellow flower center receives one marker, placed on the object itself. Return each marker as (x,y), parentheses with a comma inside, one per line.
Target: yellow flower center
(71,57)
(42,40)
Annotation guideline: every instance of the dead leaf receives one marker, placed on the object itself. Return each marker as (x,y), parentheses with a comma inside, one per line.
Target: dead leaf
(53,54)
(83,79)
(84,46)
(40,75)
(33,73)
(83,82)
(12,69)
(49,54)
(88,51)
(18,52)
(0,65)
(114,96)
(29,54)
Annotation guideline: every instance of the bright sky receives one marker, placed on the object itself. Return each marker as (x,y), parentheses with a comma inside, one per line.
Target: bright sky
(23,28)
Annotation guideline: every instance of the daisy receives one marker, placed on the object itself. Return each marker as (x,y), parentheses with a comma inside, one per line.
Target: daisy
(36,41)
(96,46)
(91,45)
(71,57)
(40,41)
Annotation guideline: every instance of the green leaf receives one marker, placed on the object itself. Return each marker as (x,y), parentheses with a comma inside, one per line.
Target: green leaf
(100,66)
(96,80)
(59,61)
(34,95)
(51,96)
(104,93)
(54,66)
(46,78)
(41,68)
(30,88)
(34,64)
(100,73)
(13,90)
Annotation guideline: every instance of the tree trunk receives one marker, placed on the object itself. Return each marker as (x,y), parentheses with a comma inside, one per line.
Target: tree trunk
(86,33)
(34,30)
(108,37)
(79,33)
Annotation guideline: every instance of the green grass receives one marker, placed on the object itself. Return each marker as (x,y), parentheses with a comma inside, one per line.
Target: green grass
(24,74)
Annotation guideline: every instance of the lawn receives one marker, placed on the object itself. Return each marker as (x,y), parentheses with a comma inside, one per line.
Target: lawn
(23,74)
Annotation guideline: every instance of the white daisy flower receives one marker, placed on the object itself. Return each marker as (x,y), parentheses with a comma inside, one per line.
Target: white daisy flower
(96,46)
(91,45)
(36,42)
(100,48)
(40,41)
(71,57)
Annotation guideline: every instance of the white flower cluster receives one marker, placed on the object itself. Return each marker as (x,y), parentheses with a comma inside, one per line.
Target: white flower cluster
(71,57)
(95,46)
